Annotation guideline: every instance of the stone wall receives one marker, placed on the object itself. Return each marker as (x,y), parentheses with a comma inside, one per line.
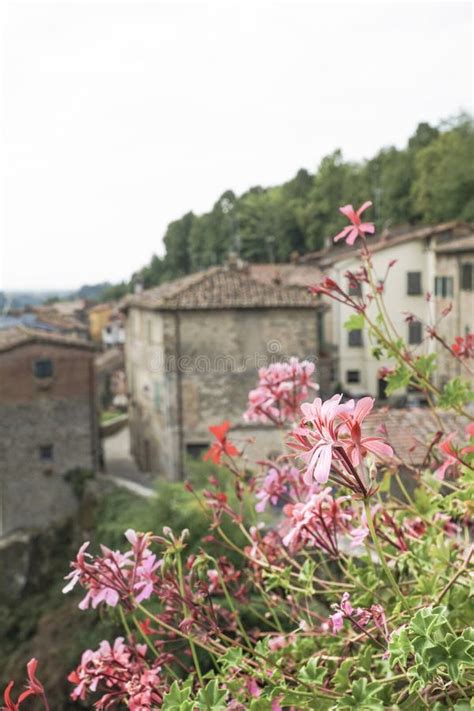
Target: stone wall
(196,368)
(59,412)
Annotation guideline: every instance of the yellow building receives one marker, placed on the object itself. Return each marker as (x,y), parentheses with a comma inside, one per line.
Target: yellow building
(98,318)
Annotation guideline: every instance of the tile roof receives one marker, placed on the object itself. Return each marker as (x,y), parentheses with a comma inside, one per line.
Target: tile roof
(20,335)
(411,430)
(60,321)
(446,233)
(237,286)
(111,358)
(462,244)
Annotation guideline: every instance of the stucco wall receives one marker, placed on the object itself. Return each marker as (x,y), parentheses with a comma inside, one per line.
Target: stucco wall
(461,319)
(415,256)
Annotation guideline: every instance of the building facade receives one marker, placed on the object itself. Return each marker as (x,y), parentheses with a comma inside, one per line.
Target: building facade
(48,425)
(193,349)
(437,260)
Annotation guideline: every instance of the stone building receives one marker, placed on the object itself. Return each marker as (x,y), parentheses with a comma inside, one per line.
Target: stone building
(436,259)
(48,425)
(193,348)
(110,378)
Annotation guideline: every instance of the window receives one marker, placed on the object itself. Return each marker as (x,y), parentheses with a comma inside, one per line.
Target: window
(443,286)
(43,368)
(196,450)
(355,287)
(46,452)
(467,277)
(355,338)
(414,283)
(353,376)
(320,328)
(415,332)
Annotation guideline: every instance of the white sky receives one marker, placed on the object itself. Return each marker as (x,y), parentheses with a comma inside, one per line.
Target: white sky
(119,117)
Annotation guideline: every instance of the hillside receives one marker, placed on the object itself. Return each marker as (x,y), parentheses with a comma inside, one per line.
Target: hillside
(430,180)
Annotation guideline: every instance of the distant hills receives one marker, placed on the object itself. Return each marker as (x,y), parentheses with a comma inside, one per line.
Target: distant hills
(21,299)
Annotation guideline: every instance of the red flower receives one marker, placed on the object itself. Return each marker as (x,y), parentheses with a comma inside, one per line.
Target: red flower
(34,688)
(464,347)
(33,683)
(222,445)
(357,228)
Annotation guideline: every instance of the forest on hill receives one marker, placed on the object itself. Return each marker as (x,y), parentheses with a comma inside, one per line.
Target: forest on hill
(428,181)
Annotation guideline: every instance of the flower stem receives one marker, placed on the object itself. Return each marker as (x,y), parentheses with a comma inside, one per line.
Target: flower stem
(186,612)
(381,556)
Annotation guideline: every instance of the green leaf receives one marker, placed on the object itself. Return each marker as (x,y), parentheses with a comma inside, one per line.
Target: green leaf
(211,698)
(306,575)
(177,699)
(400,378)
(341,677)
(311,673)
(363,696)
(427,620)
(399,647)
(456,393)
(232,658)
(355,322)
(426,365)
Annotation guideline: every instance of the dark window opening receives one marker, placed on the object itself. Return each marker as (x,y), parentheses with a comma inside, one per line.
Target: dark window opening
(355,287)
(467,277)
(382,389)
(46,452)
(415,334)
(355,338)
(196,450)
(320,328)
(43,368)
(414,283)
(353,376)
(443,286)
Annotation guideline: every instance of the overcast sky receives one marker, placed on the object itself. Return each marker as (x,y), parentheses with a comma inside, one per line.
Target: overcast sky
(119,117)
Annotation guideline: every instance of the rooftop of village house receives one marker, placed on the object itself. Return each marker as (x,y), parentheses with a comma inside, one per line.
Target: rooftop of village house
(410,430)
(236,284)
(11,338)
(453,236)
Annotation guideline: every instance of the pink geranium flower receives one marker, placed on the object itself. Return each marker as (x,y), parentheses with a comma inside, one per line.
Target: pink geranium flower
(121,673)
(357,228)
(357,446)
(115,577)
(318,440)
(281,389)
(277,483)
(451,456)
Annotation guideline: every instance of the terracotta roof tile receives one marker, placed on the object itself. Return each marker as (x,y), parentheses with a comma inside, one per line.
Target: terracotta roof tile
(245,286)
(410,431)
(446,232)
(20,335)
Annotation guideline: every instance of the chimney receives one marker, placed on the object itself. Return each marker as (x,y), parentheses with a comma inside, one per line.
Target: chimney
(138,287)
(235,263)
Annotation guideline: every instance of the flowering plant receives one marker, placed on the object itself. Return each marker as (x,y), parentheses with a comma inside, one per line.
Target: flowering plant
(352,590)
